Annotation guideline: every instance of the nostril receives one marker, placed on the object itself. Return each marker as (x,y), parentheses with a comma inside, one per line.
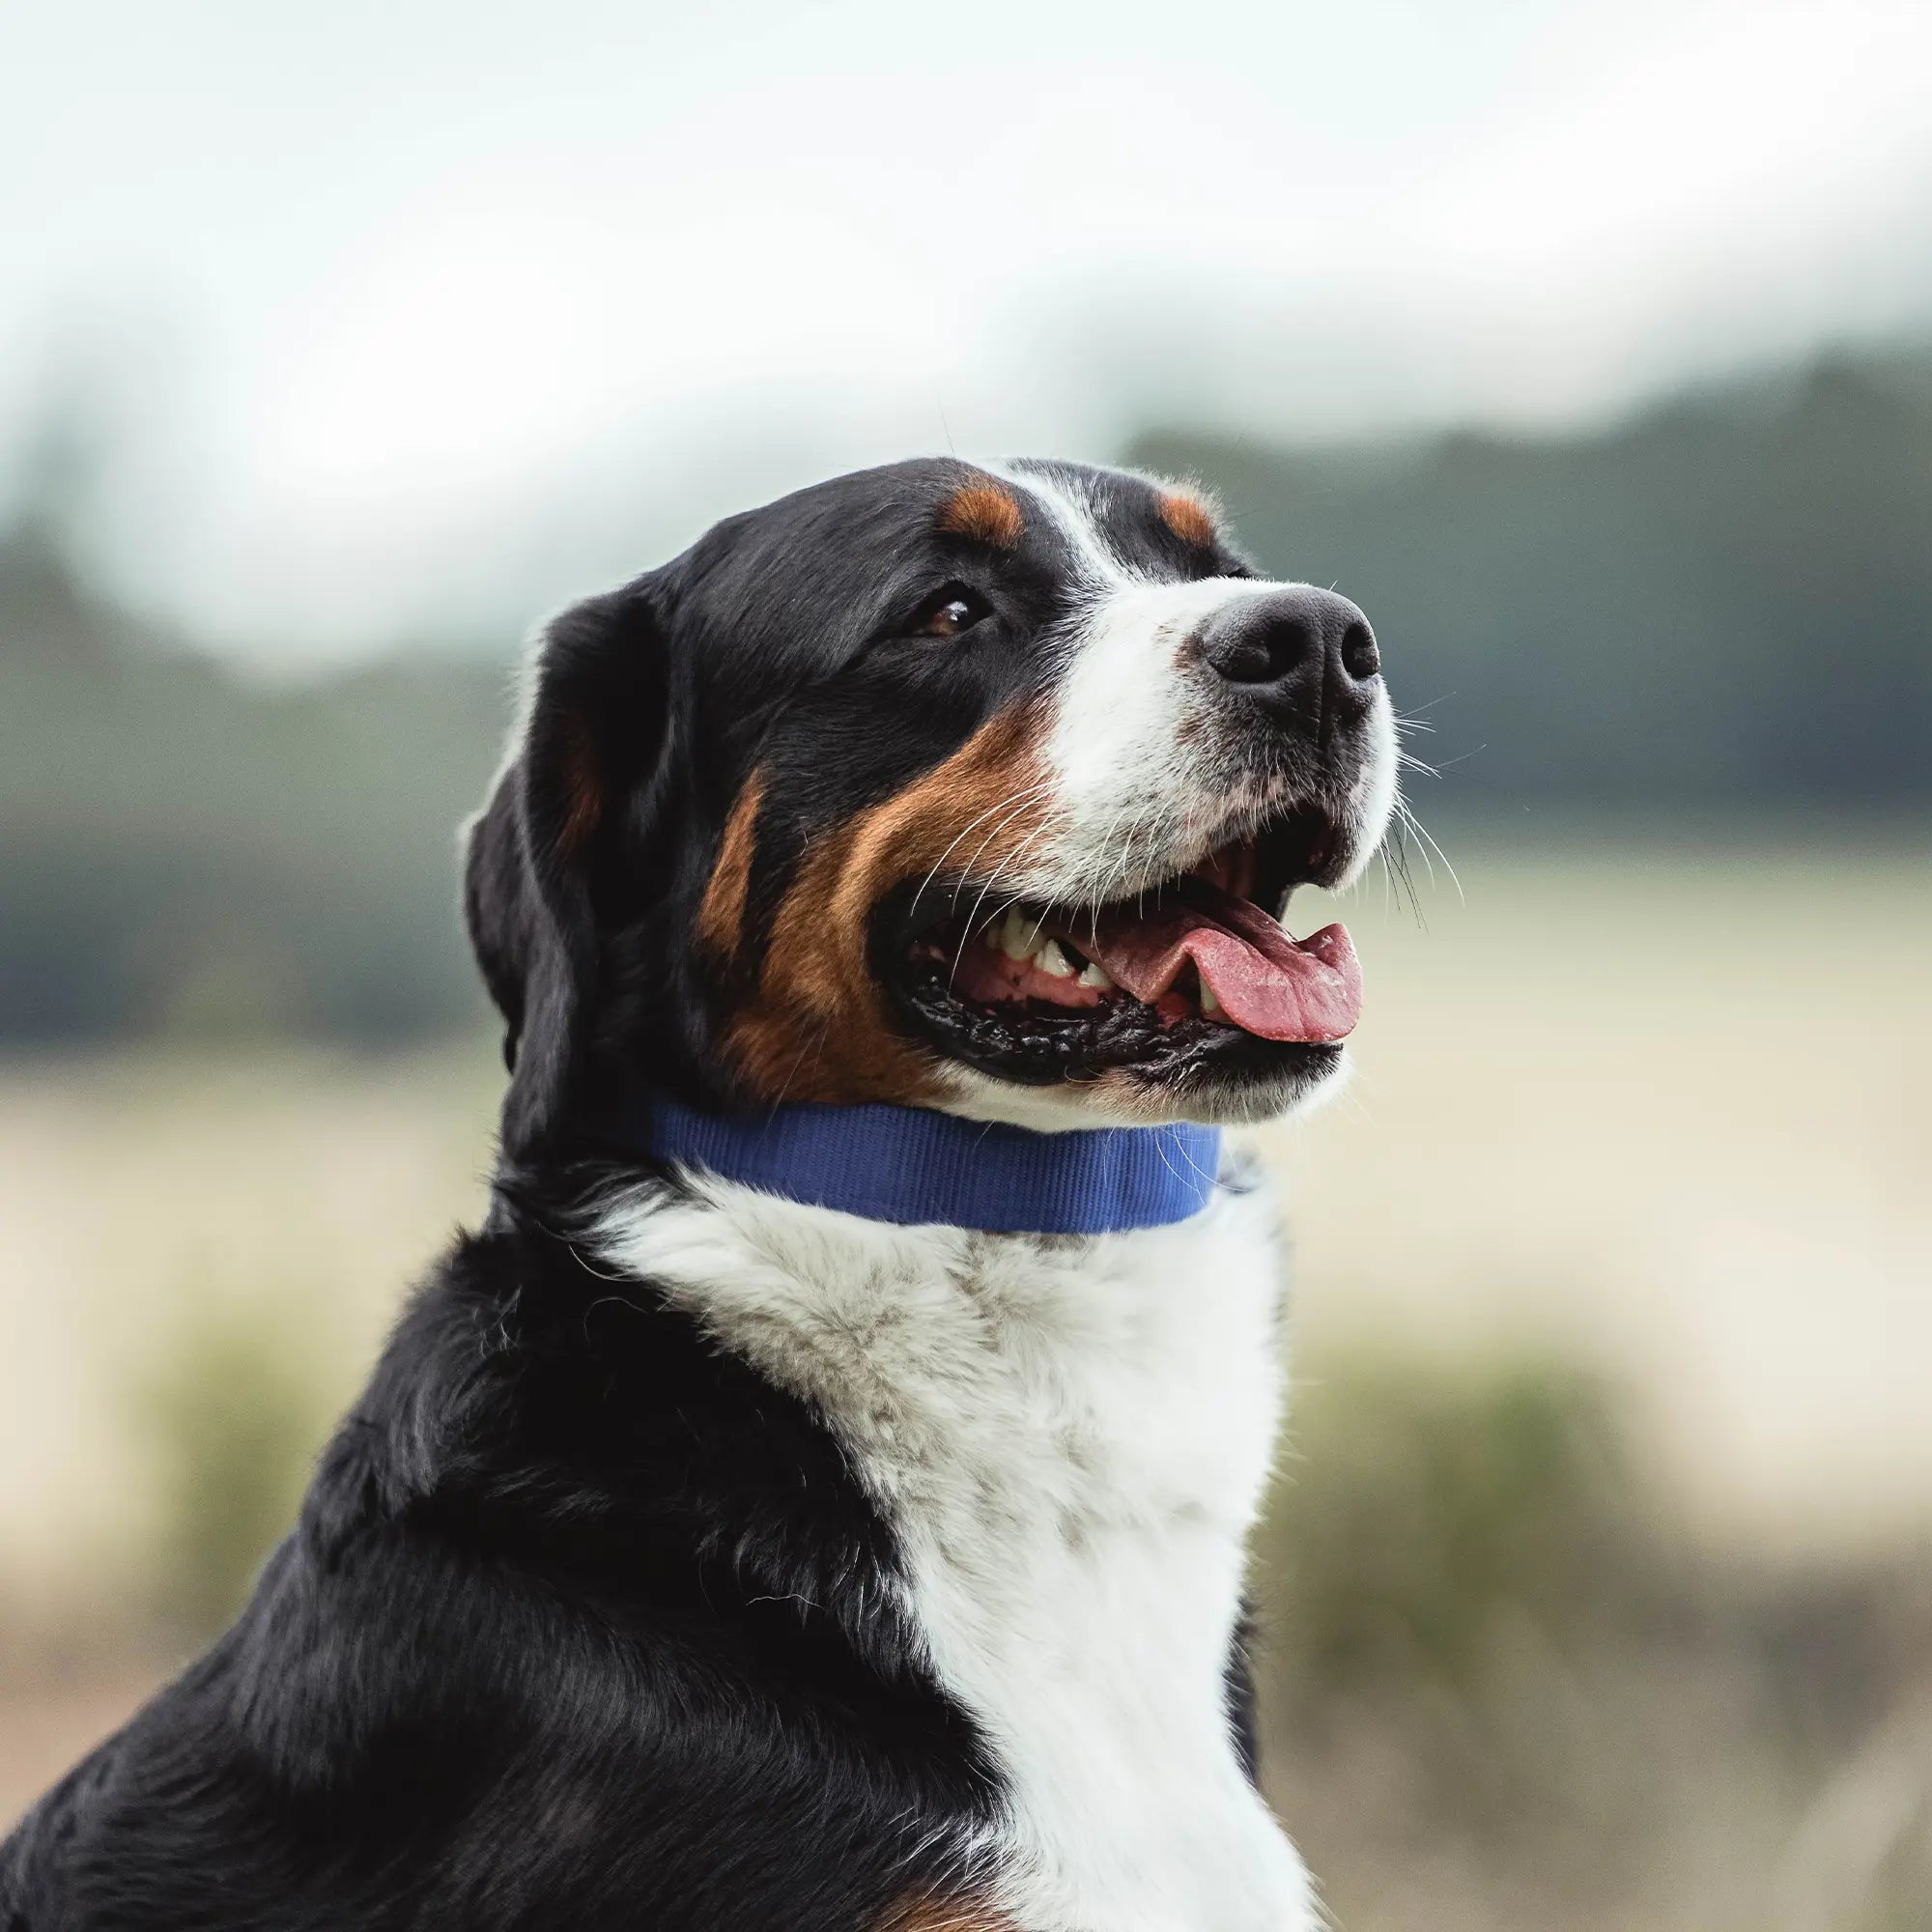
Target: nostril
(1243,660)
(1261,652)
(1291,640)
(1360,658)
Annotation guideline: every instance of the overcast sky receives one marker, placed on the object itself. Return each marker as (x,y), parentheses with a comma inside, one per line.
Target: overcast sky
(408,309)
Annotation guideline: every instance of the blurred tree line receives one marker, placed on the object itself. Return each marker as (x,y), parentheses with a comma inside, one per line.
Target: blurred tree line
(188,852)
(1723,603)
(1722,606)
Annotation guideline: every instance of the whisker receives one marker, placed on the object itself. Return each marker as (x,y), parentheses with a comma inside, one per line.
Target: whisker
(980,851)
(1423,833)
(973,921)
(1145,816)
(1160,1148)
(1396,855)
(1100,898)
(815,1046)
(1031,792)
(1123,862)
(1182,1151)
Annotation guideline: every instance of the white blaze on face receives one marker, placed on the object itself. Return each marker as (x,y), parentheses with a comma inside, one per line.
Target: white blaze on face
(1134,749)
(1372,798)
(1145,778)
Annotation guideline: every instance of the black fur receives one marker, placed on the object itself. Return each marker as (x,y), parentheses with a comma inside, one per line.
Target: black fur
(582,1625)
(583,1622)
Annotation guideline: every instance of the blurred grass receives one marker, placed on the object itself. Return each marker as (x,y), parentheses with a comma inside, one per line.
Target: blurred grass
(232,1411)
(1506,1686)
(1423,1505)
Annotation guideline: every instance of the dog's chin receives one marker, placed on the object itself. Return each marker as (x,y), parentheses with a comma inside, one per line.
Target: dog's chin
(1201,1093)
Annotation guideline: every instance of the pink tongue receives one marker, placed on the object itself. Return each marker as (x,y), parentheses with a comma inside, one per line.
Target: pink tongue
(1267,983)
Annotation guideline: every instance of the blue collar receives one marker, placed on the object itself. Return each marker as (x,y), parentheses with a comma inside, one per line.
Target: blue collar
(908,1165)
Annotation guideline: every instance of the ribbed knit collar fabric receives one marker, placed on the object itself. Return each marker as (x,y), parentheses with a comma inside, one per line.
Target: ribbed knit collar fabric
(916,1167)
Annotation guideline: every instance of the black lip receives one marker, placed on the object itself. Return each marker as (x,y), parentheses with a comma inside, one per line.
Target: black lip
(1035,1044)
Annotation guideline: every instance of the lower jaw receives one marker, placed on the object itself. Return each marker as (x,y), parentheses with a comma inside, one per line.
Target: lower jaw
(1125,1043)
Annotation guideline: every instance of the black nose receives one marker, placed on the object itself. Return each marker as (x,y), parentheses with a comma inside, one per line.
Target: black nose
(1307,655)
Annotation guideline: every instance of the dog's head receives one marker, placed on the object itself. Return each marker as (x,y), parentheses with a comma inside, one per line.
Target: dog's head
(970,789)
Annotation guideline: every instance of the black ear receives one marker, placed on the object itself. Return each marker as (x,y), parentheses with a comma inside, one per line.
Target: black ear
(585,772)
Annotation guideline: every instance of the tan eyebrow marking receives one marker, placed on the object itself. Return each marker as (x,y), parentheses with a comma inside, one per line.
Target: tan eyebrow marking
(1188,517)
(984,511)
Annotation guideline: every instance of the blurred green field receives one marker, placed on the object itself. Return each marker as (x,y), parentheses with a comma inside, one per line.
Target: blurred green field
(1598,1590)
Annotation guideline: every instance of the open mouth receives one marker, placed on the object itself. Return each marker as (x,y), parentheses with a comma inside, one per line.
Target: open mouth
(1195,973)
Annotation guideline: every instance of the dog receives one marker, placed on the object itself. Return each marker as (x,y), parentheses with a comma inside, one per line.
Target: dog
(816,1497)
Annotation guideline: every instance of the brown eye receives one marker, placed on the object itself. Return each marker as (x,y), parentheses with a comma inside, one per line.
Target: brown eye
(956,611)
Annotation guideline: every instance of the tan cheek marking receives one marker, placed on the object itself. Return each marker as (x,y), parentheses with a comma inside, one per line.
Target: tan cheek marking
(1188,517)
(721,919)
(984,511)
(816,1028)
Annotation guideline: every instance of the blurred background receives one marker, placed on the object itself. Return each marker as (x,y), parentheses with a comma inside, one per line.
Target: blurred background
(1589,346)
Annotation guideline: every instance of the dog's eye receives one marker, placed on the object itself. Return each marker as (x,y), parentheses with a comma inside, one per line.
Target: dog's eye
(954,610)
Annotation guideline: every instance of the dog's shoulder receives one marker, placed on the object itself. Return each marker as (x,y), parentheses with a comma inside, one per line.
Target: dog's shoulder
(583,1622)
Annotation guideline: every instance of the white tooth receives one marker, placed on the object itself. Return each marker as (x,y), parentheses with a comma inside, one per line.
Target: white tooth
(1016,940)
(1052,959)
(1208,1002)
(1095,976)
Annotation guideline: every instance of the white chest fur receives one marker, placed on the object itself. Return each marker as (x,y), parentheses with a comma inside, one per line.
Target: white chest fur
(1070,1437)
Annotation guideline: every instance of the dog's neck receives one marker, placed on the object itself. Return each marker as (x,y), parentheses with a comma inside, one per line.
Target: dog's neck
(1070,1437)
(915,1167)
